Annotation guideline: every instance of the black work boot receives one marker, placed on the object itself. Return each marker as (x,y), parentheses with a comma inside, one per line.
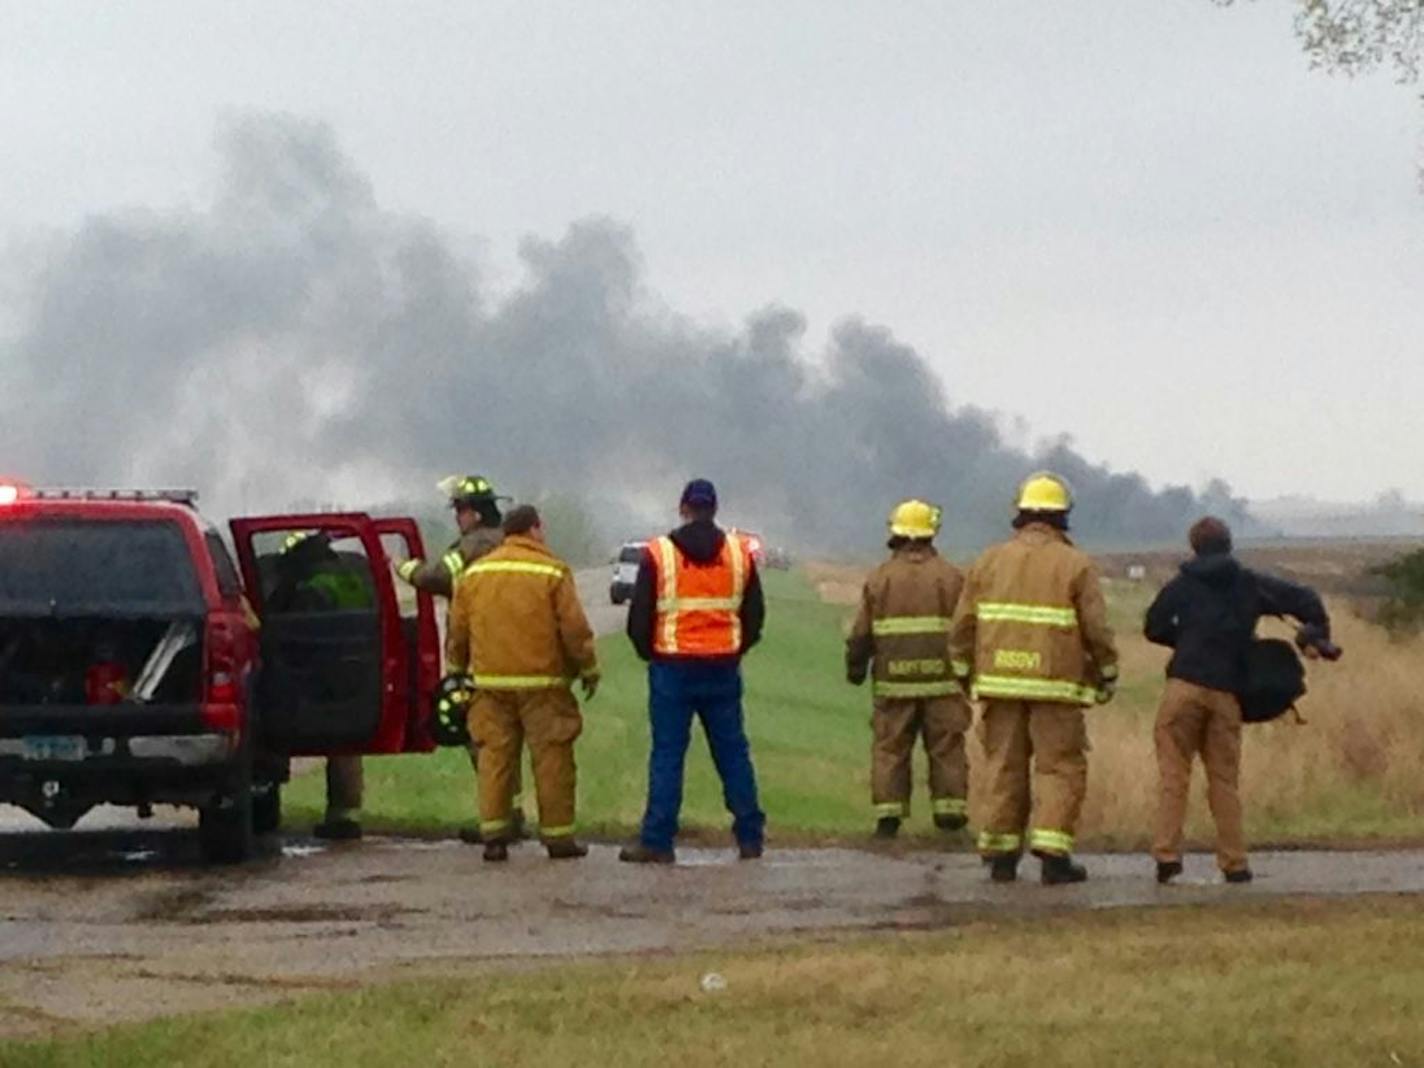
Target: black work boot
(565,849)
(749,850)
(1167,870)
(887,826)
(1003,868)
(497,850)
(951,821)
(1058,870)
(342,829)
(1240,875)
(638,853)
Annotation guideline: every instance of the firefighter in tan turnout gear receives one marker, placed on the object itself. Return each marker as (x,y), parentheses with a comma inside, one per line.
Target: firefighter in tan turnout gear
(476,507)
(901,628)
(1030,637)
(517,626)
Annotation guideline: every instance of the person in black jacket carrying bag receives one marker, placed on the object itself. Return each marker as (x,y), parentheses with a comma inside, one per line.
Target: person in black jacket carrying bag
(1207,615)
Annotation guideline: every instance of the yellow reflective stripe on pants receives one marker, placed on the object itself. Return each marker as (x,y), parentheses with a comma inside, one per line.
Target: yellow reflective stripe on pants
(494,827)
(519,567)
(1038,614)
(992,843)
(949,806)
(1045,841)
(942,688)
(892,809)
(520,682)
(909,625)
(1018,688)
(556,832)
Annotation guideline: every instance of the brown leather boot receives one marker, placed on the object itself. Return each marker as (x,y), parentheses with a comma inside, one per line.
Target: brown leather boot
(565,849)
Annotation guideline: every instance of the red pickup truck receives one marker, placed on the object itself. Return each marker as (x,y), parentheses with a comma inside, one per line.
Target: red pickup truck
(141,665)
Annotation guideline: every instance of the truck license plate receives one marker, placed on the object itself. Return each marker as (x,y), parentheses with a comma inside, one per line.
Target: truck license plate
(53,747)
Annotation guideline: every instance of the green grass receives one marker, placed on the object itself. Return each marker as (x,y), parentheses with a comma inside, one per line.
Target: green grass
(1283,984)
(809,732)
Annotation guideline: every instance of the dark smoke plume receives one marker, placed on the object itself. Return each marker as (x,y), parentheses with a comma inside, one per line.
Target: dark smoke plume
(293,341)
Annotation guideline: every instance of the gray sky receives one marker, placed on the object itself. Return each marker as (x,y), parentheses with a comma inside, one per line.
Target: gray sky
(1148,226)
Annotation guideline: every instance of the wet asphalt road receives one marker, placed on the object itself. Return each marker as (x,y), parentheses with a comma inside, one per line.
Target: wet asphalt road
(107,925)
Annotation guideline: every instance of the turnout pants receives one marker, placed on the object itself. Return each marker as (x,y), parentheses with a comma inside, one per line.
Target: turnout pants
(678,691)
(1054,737)
(500,723)
(474,751)
(941,722)
(345,782)
(1194,720)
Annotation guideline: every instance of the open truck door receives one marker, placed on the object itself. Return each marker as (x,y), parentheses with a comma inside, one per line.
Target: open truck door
(337,664)
(421,632)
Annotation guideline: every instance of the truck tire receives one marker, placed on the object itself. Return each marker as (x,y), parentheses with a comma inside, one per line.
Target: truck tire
(266,807)
(225,825)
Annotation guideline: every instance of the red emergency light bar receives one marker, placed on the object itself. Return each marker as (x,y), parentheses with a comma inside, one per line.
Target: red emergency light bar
(11,492)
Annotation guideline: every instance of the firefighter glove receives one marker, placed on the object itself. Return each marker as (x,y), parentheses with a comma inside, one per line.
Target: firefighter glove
(1106,689)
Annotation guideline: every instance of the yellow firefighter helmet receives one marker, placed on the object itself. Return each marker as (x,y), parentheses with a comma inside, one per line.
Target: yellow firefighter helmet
(914,519)
(1043,491)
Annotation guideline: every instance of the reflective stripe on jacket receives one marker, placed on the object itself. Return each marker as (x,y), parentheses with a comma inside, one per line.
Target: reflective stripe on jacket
(1031,624)
(697,612)
(516,622)
(903,625)
(440,575)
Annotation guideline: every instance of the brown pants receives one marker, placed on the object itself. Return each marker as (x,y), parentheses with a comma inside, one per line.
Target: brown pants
(474,751)
(345,783)
(1055,736)
(500,722)
(941,722)
(1194,720)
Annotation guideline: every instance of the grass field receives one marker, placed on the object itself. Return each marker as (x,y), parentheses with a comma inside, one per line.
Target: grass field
(1354,771)
(1313,983)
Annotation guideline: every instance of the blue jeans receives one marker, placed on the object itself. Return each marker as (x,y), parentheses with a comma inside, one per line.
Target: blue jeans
(713,692)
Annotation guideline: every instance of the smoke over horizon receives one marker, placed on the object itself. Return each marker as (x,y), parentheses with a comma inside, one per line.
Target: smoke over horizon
(292,340)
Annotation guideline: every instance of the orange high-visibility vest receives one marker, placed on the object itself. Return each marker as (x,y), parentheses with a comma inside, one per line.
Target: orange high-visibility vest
(698,611)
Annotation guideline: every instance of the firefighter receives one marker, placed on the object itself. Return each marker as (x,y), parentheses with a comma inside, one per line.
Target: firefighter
(696,609)
(1207,615)
(905,609)
(312,578)
(1031,640)
(517,626)
(477,516)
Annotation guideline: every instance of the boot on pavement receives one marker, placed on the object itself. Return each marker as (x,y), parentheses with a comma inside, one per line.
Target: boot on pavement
(638,853)
(1240,875)
(338,830)
(749,850)
(1167,870)
(1059,870)
(497,851)
(565,849)
(887,826)
(1003,868)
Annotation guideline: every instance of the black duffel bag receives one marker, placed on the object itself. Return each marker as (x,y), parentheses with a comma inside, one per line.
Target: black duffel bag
(1275,680)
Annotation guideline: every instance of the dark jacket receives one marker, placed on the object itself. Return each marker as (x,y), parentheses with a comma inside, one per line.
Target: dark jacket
(1207,614)
(700,542)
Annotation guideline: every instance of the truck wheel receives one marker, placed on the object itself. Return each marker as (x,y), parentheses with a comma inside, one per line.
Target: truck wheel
(225,826)
(266,807)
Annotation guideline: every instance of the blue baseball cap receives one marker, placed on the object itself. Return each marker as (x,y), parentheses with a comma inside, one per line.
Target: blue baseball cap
(699,493)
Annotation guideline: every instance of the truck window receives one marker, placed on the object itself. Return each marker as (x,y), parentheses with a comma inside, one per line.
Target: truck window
(229,585)
(92,567)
